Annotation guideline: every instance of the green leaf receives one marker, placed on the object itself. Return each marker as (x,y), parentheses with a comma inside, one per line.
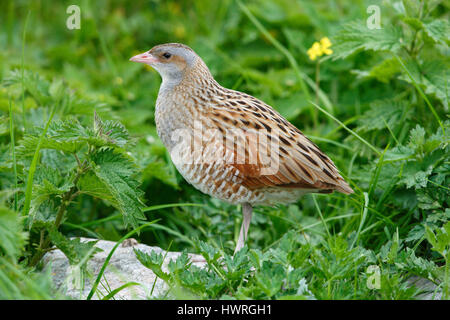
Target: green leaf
(432,76)
(440,239)
(385,71)
(29,143)
(209,252)
(416,137)
(383,113)
(180,264)
(399,153)
(48,183)
(270,278)
(117,173)
(77,252)
(90,184)
(355,36)
(426,202)
(35,84)
(417,24)
(70,136)
(438,30)
(112,132)
(12,238)
(412,7)
(153,261)
(56,90)
(414,176)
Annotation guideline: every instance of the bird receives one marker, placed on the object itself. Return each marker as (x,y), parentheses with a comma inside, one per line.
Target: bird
(229,144)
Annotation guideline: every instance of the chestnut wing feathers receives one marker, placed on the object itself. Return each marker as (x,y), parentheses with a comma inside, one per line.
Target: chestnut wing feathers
(268,150)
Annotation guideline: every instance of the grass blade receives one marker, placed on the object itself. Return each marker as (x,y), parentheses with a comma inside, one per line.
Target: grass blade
(23,69)
(277,45)
(348,129)
(117,290)
(321,216)
(363,218)
(433,111)
(29,187)
(108,258)
(13,151)
(172,205)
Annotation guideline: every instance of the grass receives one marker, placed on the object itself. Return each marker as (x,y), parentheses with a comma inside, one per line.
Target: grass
(13,151)
(34,162)
(88,161)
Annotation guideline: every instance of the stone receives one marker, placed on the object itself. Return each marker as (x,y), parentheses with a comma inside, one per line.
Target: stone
(123,267)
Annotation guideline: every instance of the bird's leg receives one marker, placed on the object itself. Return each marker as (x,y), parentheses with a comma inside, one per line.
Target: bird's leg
(247,213)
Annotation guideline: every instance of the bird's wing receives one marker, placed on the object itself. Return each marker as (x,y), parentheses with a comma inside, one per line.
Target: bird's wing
(276,153)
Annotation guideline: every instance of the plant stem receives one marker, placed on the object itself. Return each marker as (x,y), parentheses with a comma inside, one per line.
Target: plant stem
(277,45)
(66,200)
(29,185)
(315,120)
(433,111)
(13,147)
(23,70)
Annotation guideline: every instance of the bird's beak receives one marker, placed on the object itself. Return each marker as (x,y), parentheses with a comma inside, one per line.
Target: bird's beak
(145,57)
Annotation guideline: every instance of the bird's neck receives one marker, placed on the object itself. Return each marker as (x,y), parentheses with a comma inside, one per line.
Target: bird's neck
(197,76)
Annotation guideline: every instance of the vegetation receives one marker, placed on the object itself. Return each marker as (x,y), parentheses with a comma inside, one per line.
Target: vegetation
(79,153)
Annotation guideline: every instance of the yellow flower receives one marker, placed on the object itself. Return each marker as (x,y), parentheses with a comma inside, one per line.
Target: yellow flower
(315,51)
(325,43)
(320,48)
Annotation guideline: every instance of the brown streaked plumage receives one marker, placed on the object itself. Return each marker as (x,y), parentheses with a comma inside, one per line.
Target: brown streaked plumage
(229,144)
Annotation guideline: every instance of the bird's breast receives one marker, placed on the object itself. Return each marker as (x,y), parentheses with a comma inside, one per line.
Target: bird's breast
(175,117)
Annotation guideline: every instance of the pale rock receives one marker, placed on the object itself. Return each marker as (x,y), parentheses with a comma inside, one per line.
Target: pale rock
(123,267)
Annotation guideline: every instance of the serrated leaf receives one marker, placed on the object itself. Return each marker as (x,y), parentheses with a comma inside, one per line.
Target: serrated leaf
(355,36)
(426,202)
(77,252)
(416,137)
(412,7)
(440,239)
(90,184)
(414,176)
(56,90)
(29,143)
(438,30)
(209,252)
(153,261)
(47,183)
(383,113)
(70,136)
(116,172)
(36,85)
(385,70)
(417,24)
(180,264)
(12,238)
(432,76)
(110,131)
(415,233)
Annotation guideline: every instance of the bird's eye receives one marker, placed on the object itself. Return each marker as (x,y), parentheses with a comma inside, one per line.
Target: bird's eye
(167,55)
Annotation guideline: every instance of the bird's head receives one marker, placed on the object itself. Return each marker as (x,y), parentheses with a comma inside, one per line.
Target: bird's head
(171,60)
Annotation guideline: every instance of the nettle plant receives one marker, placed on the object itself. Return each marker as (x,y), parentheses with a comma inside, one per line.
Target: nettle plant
(408,55)
(65,159)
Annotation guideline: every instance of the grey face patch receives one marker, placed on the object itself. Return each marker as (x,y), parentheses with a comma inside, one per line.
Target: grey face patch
(177,49)
(170,72)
